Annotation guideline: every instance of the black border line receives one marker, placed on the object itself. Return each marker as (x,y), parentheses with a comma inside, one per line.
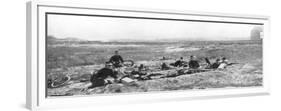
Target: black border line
(38,76)
(153,18)
(46,52)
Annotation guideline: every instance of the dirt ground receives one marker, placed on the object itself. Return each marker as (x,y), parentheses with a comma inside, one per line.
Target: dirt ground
(80,62)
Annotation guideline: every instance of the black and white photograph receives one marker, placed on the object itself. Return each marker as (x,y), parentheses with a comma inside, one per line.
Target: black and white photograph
(107,54)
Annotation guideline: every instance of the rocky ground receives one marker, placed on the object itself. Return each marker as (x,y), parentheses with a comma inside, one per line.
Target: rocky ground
(79,63)
(239,75)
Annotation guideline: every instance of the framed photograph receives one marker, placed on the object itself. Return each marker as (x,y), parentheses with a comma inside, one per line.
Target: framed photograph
(92,55)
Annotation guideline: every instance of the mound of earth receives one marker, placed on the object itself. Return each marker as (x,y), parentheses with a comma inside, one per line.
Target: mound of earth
(243,75)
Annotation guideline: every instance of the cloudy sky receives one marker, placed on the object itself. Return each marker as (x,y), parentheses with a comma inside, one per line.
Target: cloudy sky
(108,28)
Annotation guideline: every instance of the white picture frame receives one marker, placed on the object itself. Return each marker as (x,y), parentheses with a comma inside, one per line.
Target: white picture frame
(36,98)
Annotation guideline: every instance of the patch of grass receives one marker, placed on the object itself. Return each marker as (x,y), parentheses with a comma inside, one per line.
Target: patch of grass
(81,62)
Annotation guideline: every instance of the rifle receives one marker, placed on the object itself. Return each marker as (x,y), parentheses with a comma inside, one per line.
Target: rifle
(232,63)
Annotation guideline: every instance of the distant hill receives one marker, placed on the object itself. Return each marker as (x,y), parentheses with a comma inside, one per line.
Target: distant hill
(69,40)
(64,39)
(72,40)
(175,40)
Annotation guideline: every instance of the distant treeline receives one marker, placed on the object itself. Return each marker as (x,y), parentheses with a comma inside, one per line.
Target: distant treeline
(51,40)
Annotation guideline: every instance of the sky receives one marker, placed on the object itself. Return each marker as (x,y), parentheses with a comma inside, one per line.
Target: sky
(113,28)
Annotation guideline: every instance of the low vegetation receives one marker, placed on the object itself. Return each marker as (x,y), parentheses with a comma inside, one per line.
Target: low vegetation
(80,60)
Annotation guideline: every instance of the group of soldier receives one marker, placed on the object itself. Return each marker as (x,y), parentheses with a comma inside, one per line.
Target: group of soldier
(194,63)
(114,72)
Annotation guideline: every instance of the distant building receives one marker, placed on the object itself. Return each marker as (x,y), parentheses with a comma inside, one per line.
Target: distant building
(257,33)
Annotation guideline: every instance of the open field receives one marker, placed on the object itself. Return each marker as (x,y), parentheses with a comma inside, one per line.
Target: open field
(80,59)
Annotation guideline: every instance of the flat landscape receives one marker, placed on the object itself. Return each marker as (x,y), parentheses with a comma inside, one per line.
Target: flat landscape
(79,59)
